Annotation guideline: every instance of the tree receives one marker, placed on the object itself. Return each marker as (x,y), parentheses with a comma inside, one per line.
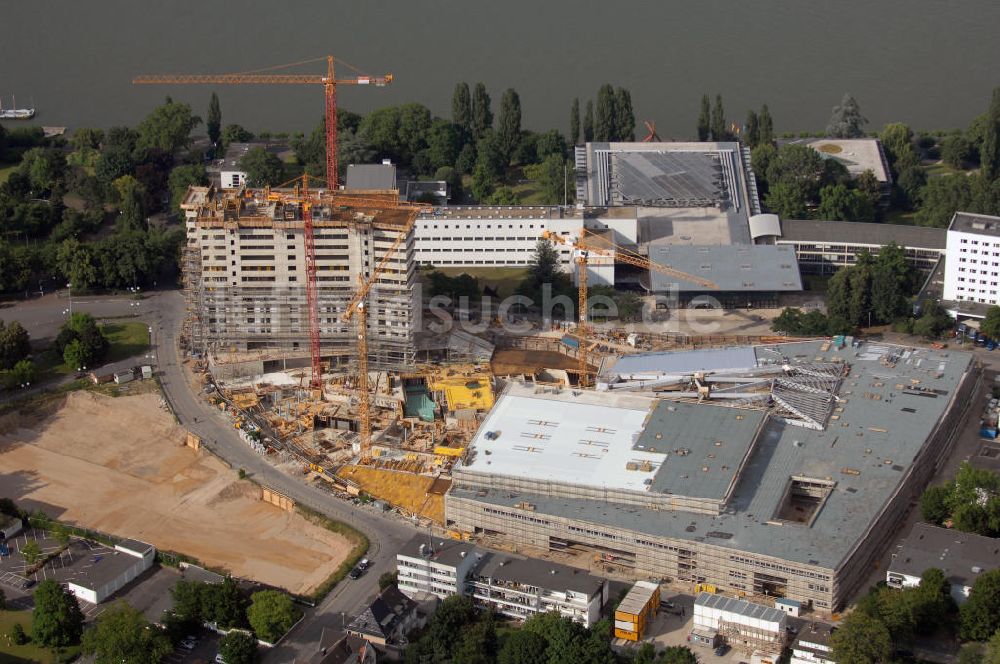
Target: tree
(941,197)
(956,151)
(214,123)
(979,616)
(544,269)
(846,120)
(991,323)
(167,128)
(970,653)
(239,648)
(509,124)
(224,603)
(3,600)
(482,116)
(58,621)
(523,647)
(705,119)
(17,634)
(934,320)
(992,655)
(861,639)
(574,122)
(15,345)
(766,126)
(588,122)
(235,133)
(454,180)
(786,200)
(263,168)
(271,614)
(867,183)
(752,131)
(31,552)
(837,202)
(677,655)
(123,636)
(934,604)
(989,150)
(624,116)
(897,140)
(387,579)
(719,130)
(891,281)
(131,197)
(605,114)
(551,176)
(183,177)
(461,109)
(45,169)
(502,196)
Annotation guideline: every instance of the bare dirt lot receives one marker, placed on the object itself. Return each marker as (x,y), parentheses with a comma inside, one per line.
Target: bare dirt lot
(117,465)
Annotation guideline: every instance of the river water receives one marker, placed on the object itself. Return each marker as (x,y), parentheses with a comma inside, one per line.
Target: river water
(931,63)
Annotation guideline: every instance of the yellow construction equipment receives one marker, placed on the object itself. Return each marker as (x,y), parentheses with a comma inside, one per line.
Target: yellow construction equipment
(589,241)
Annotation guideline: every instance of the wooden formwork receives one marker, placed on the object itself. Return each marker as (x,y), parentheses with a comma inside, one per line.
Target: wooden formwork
(276,498)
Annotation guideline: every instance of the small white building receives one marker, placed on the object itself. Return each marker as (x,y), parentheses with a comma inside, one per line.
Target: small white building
(110,572)
(741,624)
(9,526)
(972,262)
(812,646)
(961,556)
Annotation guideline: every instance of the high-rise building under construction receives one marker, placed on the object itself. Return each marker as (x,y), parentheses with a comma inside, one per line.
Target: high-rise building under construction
(245,272)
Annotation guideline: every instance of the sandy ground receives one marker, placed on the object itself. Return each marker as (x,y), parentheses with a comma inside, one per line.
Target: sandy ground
(117,465)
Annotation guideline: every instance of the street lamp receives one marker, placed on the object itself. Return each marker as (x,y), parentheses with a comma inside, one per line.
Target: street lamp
(70,287)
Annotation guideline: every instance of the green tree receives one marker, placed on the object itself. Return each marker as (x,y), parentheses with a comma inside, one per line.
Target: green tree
(131,196)
(677,655)
(461,109)
(386,579)
(3,600)
(214,123)
(574,122)
(646,654)
(766,126)
(235,133)
(839,203)
(483,182)
(705,119)
(992,654)
(752,132)
(482,116)
(980,615)
(989,150)
(502,196)
(971,653)
(551,175)
(31,552)
(956,151)
(891,280)
(263,168)
(934,320)
(509,123)
(991,323)
(23,373)
(225,604)
(787,200)
(588,122)
(45,169)
(57,619)
(182,178)
(443,144)
(523,647)
(550,143)
(544,269)
(934,605)
(846,120)
(897,141)
(799,166)
(466,160)
(624,116)
(941,198)
(271,614)
(239,648)
(167,128)
(605,115)
(861,639)
(867,183)
(720,131)
(454,180)
(123,636)
(15,345)
(17,634)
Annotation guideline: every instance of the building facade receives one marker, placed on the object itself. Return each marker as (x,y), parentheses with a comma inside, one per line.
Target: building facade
(812,645)
(742,625)
(113,572)
(972,263)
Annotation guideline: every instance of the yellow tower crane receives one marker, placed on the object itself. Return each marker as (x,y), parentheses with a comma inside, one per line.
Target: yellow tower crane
(589,241)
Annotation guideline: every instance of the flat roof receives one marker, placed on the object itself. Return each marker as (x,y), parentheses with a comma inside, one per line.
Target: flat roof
(745,268)
(637,598)
(105,567)
(856,154)
(135,546)
(739,606)
(442,551)
(887,407)
(980,224)
(959,555)
(370,176)
(538,573)
(646,366)
(860,233)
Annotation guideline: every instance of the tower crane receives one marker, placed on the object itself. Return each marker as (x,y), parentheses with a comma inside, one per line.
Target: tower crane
(329,81)
(589,241)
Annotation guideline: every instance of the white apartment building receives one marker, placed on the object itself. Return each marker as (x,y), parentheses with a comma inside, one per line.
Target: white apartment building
(515,587)
(506,236)
(812,646)
(972,260)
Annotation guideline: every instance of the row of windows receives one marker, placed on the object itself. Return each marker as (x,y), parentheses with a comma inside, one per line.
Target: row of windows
(511,515)
(775,566)
(478,239)
(488,226)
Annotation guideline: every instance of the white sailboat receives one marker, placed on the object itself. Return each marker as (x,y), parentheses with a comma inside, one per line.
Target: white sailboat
(15,113)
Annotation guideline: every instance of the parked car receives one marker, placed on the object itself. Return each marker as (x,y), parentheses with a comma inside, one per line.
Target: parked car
(364,564)
(188,643)
(219,659)
(721,650)
(28,583)
(356,572)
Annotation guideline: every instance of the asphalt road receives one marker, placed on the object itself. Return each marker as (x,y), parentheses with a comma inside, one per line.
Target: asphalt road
(163,311)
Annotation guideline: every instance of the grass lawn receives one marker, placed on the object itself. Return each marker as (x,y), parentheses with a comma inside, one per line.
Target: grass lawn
(28,652)
(939,168)
(6,170)
(529,194)
(127,339)
(900,217)
(502,279)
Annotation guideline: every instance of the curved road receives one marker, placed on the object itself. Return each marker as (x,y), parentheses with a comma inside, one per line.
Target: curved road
(386,533)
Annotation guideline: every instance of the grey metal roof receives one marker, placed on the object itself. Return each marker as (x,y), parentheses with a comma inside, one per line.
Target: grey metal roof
(135,545)
(981,224)
(954,553)
(442,551)
(538,573)
(739,606)
(877,437)
(858,233)
(681,362)
(637,598)
(111,565)
(752,268)
(370,176)
(676,179)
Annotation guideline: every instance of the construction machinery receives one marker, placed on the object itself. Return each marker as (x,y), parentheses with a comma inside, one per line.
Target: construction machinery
(587,242)
(329,82)
(652,136)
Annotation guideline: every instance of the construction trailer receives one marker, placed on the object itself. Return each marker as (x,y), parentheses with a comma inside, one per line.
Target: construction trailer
(637,610)
(743,625)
